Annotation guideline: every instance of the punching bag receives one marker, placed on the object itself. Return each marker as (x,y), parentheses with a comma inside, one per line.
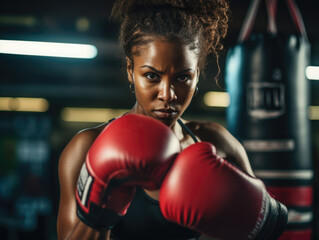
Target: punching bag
(268,112)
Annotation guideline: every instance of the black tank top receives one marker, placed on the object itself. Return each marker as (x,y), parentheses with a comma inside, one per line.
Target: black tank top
(144,219)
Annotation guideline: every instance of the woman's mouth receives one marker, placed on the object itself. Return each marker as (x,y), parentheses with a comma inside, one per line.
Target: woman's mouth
(165,113)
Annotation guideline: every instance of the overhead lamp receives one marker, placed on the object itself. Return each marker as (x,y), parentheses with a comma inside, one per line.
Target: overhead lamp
(312,72)
(98,115)
(22,104)
(314,112)
(49,49)
(216,99)
(18,20)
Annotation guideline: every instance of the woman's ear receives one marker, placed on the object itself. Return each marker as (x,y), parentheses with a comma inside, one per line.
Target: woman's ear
(198,73)
(197,80)
(129,69)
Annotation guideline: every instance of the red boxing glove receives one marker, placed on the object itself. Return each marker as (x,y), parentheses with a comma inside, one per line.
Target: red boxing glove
(132,150)
(208,194)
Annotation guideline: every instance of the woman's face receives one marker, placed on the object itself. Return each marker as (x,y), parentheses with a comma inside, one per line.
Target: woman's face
(165,75)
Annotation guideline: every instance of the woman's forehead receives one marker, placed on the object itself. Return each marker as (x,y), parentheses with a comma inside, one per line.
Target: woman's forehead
(161,53)
(157,44)
(151,41)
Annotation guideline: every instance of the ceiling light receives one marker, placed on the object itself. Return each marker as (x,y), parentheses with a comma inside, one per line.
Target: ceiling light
(50,49)
(312,72)
(216,99)
(70,114)
(23,104)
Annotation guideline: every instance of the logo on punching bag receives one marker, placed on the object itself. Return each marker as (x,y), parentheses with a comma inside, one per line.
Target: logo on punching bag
(266,99)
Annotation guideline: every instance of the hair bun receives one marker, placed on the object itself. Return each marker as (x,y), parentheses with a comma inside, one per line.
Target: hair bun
(123,8)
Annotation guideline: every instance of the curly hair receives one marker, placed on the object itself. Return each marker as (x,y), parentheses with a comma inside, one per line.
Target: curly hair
(201,24)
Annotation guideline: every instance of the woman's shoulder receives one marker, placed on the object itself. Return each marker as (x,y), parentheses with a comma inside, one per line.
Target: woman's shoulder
(213,132)
(75,151)
(226,144)
(85,137)
(209,131)
(88,134)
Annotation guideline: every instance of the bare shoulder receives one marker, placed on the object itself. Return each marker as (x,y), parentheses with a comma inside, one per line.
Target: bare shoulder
(226,144)
(214,133)
(74,153)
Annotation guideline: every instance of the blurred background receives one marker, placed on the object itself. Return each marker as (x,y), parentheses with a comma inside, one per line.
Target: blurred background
(44,101)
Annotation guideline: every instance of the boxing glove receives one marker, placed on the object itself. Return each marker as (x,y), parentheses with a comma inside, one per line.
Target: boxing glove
(208,194)
(132,150)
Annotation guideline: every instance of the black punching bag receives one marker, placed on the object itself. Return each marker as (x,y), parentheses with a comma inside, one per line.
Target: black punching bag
(268,113)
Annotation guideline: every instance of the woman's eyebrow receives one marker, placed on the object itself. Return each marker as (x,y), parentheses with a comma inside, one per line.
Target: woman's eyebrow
(154,69)
(160,72)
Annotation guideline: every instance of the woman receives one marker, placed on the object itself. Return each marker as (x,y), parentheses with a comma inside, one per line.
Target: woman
(166,44)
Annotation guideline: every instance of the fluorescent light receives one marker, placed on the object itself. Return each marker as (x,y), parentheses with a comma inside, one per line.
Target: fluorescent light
(50,49)
(312,72)
(82,24)
(216,99)
(23,104)
(28,21)
(314,112)
(98,115)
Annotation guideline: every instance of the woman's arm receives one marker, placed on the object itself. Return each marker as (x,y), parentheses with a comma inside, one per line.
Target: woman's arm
(68,224)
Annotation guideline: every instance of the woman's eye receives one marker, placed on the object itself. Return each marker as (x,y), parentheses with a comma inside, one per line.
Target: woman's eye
(184,78)
(151,76)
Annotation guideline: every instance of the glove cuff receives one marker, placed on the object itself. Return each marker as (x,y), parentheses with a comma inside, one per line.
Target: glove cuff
(276,221)
(98,218)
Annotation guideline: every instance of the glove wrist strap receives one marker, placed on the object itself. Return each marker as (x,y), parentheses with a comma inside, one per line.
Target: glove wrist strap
(98,218)
(275,222)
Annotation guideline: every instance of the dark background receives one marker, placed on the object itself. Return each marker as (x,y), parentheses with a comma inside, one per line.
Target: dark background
(29,185)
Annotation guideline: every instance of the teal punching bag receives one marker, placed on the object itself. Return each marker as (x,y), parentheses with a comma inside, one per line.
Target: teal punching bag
(268,112)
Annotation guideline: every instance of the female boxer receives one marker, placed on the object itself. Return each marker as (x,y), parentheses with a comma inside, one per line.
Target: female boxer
(165,45)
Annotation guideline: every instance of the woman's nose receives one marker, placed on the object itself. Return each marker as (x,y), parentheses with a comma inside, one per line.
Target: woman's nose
(166,91)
